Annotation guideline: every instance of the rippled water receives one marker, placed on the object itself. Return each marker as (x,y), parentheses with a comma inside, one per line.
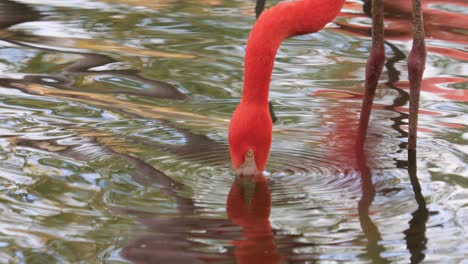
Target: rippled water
(113,143)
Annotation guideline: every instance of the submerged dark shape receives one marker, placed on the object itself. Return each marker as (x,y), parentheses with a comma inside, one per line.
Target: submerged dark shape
(12,13)
(169,238)
(157,89)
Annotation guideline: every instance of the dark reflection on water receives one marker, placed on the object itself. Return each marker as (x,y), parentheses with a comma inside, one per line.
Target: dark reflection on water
(374,250)
(98,165)
(16,13)
(167,236)
(153,88)
(415,235)
(13,13)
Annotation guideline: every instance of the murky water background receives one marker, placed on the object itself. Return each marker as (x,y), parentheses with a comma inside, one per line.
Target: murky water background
(113,144)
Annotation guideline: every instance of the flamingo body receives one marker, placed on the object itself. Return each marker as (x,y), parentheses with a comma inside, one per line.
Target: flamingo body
(251,125)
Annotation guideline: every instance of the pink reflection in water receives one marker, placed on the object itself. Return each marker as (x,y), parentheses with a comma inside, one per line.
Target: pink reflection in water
(439,24)
(439,86)
(248,206)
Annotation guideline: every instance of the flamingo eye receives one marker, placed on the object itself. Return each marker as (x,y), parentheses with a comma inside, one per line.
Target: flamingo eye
(249,153)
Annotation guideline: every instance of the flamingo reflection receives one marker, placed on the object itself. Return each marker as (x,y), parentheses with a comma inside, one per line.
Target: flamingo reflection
(415,235)
(248,206)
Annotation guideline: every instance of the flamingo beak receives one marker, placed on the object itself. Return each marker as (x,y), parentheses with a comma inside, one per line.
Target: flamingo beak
(249,167)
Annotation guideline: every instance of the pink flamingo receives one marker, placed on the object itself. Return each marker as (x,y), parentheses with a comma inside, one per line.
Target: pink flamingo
(251,124)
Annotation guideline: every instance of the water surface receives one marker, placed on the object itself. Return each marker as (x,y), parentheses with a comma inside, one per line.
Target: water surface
(113,138)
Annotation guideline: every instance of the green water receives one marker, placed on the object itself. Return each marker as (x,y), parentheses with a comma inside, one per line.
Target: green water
(113,138)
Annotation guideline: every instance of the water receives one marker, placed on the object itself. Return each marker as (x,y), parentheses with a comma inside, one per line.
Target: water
(113,144)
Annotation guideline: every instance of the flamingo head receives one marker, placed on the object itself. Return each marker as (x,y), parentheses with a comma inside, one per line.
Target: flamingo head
(250,138)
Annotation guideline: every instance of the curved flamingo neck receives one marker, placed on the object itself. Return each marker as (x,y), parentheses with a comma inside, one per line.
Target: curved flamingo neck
(282,21)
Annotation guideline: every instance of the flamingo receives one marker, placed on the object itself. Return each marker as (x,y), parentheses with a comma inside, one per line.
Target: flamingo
(251,123)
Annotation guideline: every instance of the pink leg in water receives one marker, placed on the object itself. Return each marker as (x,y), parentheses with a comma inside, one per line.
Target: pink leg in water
(374,68)
(416,63)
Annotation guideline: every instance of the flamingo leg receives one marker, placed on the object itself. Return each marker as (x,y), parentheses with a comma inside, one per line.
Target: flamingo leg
(374,68)
(416,63)
(259,6)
